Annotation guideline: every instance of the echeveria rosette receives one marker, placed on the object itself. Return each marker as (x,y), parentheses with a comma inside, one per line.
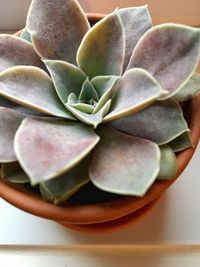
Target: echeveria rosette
(98,104)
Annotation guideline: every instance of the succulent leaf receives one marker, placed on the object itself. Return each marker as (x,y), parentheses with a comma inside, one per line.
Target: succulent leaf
(90,119)
(102,49)
(11,105)
(105,87)
(136,90)
(191,88)
(181,142)
(67,78)
(9,123)
(14,173)
(170,52)
(160,123)
(59,189)
(124,164)
(15,51)
(55,146)
(136,21)
(32,88)
(26,35)
(88,92)
(57,29)
(168,166)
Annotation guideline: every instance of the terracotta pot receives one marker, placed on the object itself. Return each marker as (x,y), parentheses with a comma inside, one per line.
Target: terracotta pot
(112,214)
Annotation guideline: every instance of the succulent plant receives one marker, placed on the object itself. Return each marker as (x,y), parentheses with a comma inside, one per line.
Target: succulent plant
(100,104)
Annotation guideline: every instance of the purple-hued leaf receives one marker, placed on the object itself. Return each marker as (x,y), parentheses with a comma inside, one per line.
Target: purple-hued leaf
(181,142)
(57,28)
(15,51)
(8,104)
(160,123)
(191,88)
(170,52)
(10,120)
(90,119)
(14,173)
(124,164)
(32,88)
(66,77)
(105,87)
(136,21)
(55,146)
(168,166)
(61,188)
(136,90)
(102,49)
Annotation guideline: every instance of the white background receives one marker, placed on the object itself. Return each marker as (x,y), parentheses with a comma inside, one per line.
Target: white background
(175,218)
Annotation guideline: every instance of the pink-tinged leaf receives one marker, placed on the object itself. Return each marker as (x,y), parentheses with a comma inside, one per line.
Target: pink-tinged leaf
(57,28)
(66,77)
(102,49)
(14,173)
(10,120)
(59,189)
(15,51)
(11,105)
(137,90)
(170,52)
(136,21)
(32,88)
(190,88)
(124,164)
(161,122)
(168,166)
(46,149)
(181,142)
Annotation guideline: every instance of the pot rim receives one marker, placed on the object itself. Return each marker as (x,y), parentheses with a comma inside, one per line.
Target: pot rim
(107,211)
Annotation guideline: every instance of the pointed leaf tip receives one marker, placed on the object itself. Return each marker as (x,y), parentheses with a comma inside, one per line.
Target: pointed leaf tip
(102,49)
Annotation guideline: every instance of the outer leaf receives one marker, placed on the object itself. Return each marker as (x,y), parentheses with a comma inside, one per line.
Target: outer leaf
(90,119)
(191,88)
(14,173)
(160,123)
(9,123)
(170,52)
(55,146)
(61,188)
(105,87)
(26,35)
(137,90)
(181,142)
(102,49)
(168,166)
(67,78)
(15,51)
(136,21)
(32,88)
(124,164)
(11,105)
(57,28)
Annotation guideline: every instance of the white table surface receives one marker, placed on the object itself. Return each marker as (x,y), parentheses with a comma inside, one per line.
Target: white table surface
(174,219)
